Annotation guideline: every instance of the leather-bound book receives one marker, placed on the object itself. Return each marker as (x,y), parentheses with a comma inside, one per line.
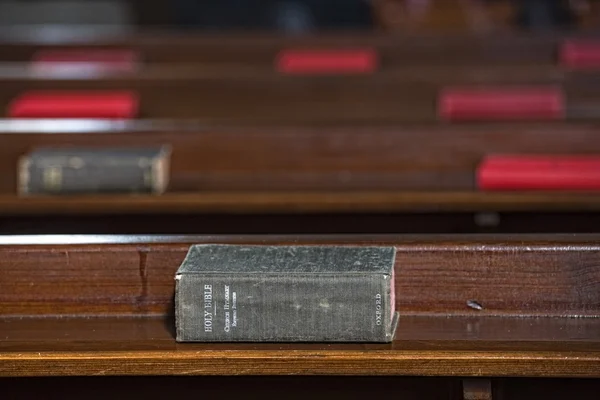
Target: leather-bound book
(232,293)
(61,171)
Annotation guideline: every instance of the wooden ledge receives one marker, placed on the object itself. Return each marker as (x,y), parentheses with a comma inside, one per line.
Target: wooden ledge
(299,202)
(428,346)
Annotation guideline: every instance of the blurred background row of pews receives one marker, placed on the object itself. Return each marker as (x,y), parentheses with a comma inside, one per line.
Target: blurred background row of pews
(305,16)
(273,129)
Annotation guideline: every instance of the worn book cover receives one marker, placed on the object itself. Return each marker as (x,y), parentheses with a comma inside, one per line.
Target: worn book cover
(94,171)
(265,293)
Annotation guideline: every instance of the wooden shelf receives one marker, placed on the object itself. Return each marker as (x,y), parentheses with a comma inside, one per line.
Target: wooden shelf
(509,275)
(301,202)
(427,346)
(390,75)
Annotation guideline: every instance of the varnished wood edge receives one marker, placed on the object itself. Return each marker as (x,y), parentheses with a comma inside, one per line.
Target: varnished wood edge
(431,242)
(539,242)
(256,362)
(301,202)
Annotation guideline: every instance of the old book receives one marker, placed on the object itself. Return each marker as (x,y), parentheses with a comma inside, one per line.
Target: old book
(286,294)
(89,170)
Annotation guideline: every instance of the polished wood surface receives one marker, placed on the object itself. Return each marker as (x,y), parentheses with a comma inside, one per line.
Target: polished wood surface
(505,275)
(256,152)
(101,305)
(261,49)
(318,202)
(284,100)
(325,158)
(145,346)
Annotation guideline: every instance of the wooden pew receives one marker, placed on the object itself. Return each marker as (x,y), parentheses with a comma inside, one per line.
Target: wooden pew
(537,317)
(430,158)
(158,47)
(217,97)
(308,179)
(296,153)
(482,315)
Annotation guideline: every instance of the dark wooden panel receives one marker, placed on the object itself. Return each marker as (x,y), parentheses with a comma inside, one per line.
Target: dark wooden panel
(503,276)
(477,389)
(255,49)
(270,388)
(417,158)
(215,97)
(548,389)
(266,388)
(171,221)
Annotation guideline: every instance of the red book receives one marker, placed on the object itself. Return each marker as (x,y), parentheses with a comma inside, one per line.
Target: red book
(501,104)
(343,61)
(92,105)
(537,172)
(580,54)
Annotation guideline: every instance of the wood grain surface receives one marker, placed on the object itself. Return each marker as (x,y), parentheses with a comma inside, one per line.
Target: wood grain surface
(504,276)
(251,202)
(145,346)
(160,46)
(292,202)
(386,98)
(323,158)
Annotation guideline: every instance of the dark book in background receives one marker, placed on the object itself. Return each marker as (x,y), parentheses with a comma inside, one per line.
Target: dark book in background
(94,171)
(286,294)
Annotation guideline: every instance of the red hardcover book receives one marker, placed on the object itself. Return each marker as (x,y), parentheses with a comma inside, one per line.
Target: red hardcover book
(580,54)
(92,105)
(538,172)
(343,61)
(489,104)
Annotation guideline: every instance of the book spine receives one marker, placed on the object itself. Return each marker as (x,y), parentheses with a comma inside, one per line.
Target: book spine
(93,174)
(284,307)
(535,172)
(501,104)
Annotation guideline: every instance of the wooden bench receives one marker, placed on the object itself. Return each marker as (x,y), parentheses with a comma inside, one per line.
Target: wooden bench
(536,314)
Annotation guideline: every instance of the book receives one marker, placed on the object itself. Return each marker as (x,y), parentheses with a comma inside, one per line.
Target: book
(232,293)
(75,104)
(501,104)
(324,61)
(91,170)
(539,172)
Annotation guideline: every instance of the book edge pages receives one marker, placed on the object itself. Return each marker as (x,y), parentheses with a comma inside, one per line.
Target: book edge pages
(391,334)
(178,314)
(23,175)
(161,171)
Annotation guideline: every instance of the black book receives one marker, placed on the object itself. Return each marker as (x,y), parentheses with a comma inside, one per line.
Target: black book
(94,171)
(286,294)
